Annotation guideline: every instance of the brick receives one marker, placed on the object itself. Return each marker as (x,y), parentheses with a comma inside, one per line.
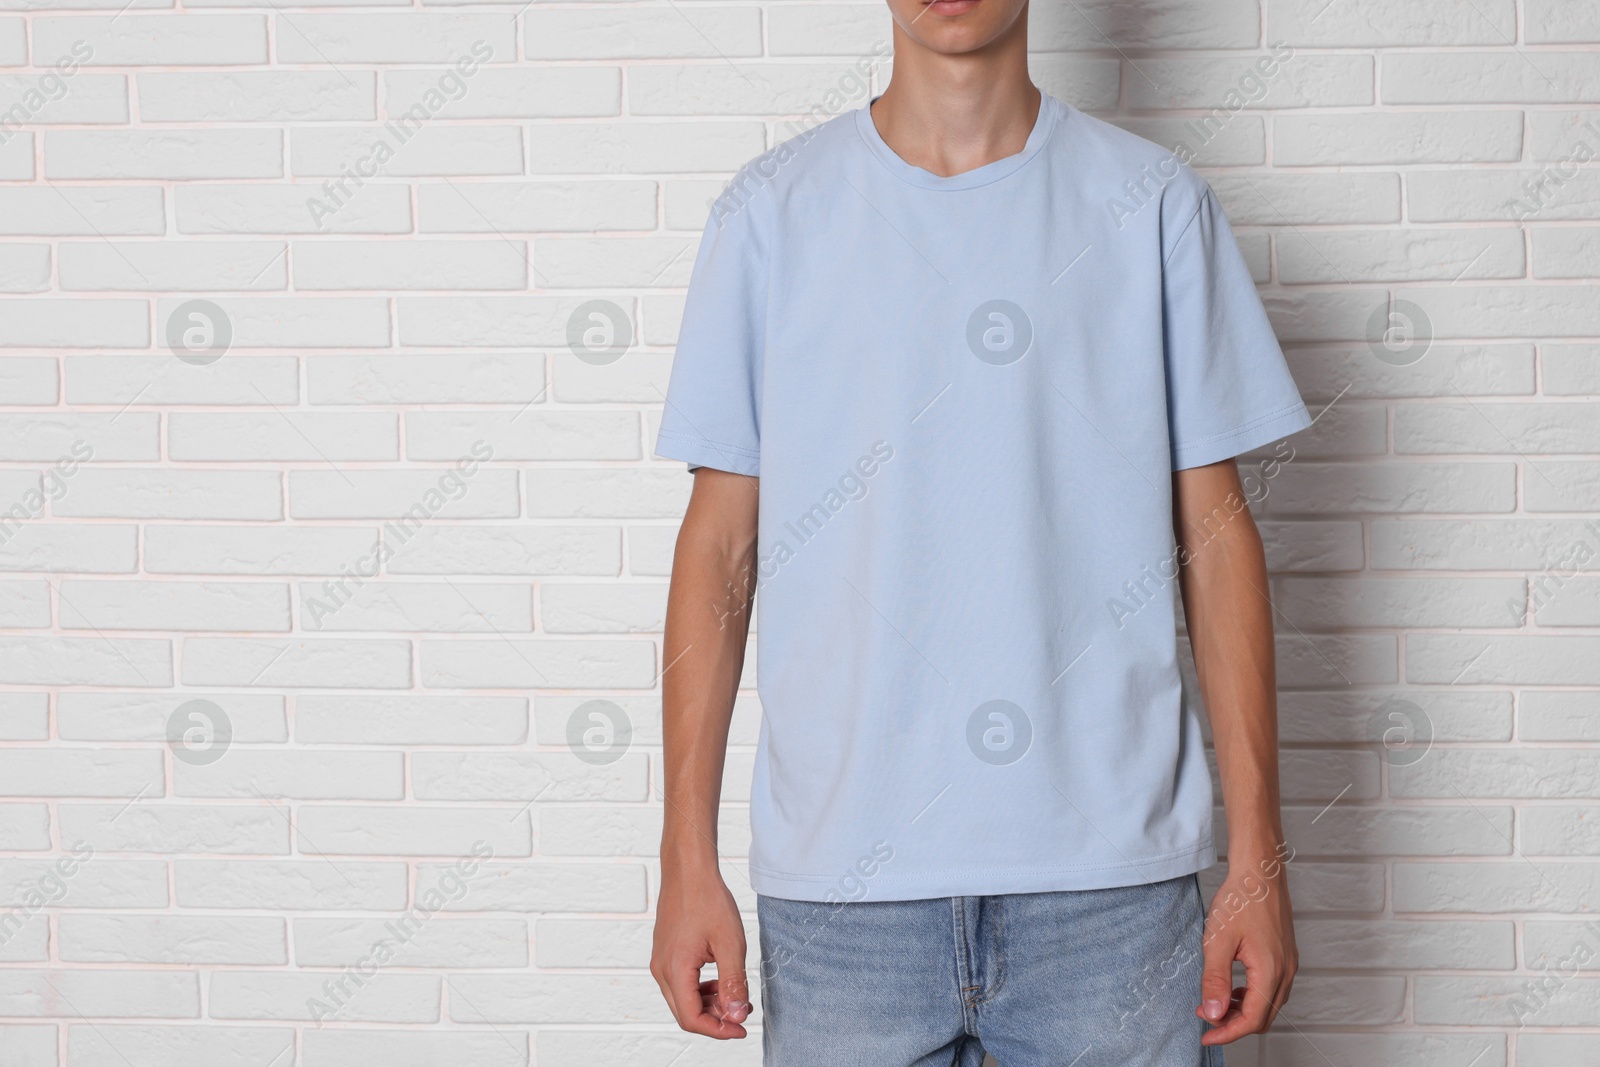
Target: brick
(1541,773)
(417,606)
(26,716)
(1240,81)
(1568,830)
(1373,23)
(1503,659)
(128,661)
(164,154)
(301,549)
(547,887)
(290,885)
(393,378)
(1551,485)
(92,99)
(94,1045)
(1558,21)
(1397,137)
(383,998)
(1497,194)
(223,208)
(168,381)
(411,720)
(1504,1001)
(24,827)
(493,264)
(143,266)
(174,606)
(101,993)
(1288,1048)
(411,831)
(1343,716)
(1367,943)
(510,550)
(498,93)
(639,377)
(302,774)
(299,322)
(489,321)
(163,828)
(1483,544)
(320,151)
(1399,256)
(519,776)
(573,998)
(483,664)
(413,1048)
(256,96)
(58,323)
(182,939)
(164,40)
(166,493)
(91,883)
(142,716)
(643,147)
(1345,830)
(44,546)
(277,663)
(1446,370)
(519,435)
(282,436)
(642,33)
(577,609)
(438,943)
(438,493)
(418,37)
(1293,199)
(492,207)
(1564,252)
(24,268)
(1317,489)
(1504,77)
(1335,604)
(1558,716)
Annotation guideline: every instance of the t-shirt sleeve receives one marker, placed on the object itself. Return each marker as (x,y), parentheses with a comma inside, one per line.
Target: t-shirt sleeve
(1228,387)
(712,416)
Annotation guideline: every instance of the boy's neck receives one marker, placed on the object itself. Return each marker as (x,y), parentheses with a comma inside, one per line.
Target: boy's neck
(949,114)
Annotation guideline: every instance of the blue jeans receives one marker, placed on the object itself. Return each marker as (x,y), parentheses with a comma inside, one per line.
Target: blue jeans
(1090,978)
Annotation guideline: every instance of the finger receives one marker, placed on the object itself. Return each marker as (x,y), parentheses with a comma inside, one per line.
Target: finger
(1248,1015)
(1216,980)
(732,988)
(683,976)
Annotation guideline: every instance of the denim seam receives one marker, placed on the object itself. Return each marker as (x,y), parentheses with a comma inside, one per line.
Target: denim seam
(1000,950)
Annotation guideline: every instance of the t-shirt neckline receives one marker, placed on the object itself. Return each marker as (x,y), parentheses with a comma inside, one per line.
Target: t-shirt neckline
(1051,111)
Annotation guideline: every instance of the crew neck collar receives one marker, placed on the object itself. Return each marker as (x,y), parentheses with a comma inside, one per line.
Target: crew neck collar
(1051,111)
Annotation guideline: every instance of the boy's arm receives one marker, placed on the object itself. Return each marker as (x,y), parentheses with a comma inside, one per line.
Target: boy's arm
(1223,578)
(708,620)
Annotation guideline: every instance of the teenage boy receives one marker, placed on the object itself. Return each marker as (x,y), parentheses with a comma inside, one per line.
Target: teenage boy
(962,376)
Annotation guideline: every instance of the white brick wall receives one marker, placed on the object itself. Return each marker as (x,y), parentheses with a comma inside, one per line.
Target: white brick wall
(204,529)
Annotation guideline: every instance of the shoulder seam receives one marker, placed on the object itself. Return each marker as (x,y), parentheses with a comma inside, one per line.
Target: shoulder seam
(1186,227)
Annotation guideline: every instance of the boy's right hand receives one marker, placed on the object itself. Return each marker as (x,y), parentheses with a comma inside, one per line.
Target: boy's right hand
(697,922)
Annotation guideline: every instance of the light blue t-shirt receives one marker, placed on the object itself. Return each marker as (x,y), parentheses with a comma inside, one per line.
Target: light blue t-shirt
(964,398)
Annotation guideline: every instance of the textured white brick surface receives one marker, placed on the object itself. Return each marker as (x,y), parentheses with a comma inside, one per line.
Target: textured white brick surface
(305,587)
